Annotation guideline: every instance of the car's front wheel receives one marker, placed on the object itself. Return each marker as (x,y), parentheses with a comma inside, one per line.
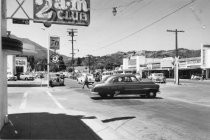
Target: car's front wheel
(151,94)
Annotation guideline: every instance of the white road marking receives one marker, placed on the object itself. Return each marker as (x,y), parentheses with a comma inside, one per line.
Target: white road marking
(24,101)
(187,101)
(55,101)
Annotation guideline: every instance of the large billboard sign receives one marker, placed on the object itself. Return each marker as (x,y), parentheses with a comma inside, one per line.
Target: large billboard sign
(205,56)
(67,12)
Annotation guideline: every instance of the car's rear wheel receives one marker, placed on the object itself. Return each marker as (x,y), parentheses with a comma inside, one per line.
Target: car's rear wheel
(151,94)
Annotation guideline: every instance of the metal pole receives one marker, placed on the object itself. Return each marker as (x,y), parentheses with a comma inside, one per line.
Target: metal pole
(89,62)
(48,61)
(72,34)
(72,42)
(176,70)
(177,58)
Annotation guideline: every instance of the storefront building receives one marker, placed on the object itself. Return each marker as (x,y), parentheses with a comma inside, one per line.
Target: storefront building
(187,66)
(205,60)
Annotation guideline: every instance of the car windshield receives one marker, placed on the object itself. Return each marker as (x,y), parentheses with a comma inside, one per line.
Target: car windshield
(106,78)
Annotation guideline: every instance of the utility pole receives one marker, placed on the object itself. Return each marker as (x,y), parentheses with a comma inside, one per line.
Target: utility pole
(88,62)
(71,33)
(176,71)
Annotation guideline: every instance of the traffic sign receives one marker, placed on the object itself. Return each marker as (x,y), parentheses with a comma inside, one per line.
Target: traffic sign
(20,21)
(54,43)
(54,58)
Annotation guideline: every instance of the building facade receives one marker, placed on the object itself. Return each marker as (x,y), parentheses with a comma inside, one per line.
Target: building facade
(187,66)
(205,60)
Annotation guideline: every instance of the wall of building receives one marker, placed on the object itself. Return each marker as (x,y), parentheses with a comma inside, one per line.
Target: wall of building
(11,64)
(205,59)
(21,62)
(187,66)
(3,67)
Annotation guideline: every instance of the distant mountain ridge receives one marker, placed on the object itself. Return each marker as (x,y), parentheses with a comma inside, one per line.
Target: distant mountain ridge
(182,52)
(38,51)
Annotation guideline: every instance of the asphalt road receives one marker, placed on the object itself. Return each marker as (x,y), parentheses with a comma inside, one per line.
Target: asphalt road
(180,112)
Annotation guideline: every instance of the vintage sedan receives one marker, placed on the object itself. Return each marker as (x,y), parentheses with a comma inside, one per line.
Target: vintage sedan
(125,84)
(158,77)
(56,79)
(24,76)
(11,77)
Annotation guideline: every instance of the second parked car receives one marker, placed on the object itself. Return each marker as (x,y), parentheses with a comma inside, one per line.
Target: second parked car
(24,76)
(56,79)
(158,77)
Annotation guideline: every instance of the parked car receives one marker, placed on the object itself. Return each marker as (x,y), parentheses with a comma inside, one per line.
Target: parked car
(158,77)
(81,78)
(11,77)
(24,76)
(56,79)
(125,84)
(196,77)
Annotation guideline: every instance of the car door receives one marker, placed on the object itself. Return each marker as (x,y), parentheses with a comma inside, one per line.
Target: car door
(118,85)
(132,85)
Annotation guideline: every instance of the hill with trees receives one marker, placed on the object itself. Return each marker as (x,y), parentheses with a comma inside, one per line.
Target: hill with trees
(37,57)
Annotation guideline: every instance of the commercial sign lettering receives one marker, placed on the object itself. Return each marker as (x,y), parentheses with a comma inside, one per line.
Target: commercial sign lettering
(21,61)
(68,12)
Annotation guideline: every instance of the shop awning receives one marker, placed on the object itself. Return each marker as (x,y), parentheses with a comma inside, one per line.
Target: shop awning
(12,45)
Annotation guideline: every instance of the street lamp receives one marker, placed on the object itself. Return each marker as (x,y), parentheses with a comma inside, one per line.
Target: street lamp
(114,11)
(88,62)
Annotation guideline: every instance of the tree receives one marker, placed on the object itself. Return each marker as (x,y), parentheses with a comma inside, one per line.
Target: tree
(79,61)
(31,62)
(40,64)
(61,64)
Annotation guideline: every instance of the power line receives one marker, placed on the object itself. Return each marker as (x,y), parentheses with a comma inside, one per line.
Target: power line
(147,26)
(119,6)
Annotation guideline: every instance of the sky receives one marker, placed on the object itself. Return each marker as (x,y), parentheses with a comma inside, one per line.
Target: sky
(138,25)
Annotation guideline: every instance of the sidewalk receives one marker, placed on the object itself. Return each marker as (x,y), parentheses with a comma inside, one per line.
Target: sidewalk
(24,83)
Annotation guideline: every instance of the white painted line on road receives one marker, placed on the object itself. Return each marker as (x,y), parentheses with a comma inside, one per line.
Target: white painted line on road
(99,128)
(24,101)
(186,101)
(55,101)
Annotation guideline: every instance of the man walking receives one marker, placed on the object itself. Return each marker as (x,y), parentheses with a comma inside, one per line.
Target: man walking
(86,82)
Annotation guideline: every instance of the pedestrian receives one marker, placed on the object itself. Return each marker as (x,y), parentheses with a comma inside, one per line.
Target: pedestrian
(86,82)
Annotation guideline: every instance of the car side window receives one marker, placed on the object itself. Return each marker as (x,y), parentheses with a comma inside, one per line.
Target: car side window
(115,80)
(128,79)
(118,79)
(133,79)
